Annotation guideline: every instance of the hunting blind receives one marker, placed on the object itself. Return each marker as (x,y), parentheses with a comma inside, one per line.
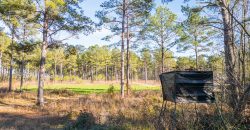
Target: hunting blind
(188,86)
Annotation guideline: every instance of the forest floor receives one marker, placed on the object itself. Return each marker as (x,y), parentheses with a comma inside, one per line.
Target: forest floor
(100,108)
(65,102)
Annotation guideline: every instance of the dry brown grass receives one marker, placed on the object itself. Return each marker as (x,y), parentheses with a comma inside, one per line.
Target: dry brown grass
(139,110)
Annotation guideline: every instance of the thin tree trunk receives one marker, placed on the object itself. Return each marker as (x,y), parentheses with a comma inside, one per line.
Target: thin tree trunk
(41,77)
(245,11)
(112,73)
(106,73)
(122,48)
(61,71)
(28,69)
(83,72)
(196,58)
(92,74)
(22,63)
(95,73)
(116,74)
(10,73)
(162,48)
(70,74)
(86,72)
(162,58)
(11,60)
(55,71)
(22,70)
(127,57)
(146,72)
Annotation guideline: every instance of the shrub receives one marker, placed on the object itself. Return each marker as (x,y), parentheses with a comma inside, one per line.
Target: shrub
(62,92)
(111,89)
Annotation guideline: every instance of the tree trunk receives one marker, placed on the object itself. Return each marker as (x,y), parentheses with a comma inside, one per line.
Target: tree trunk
(162,48)
(28,69)
(95,73)
(106,73)
(70,74)
(11,59)
(92,74)
(196,58)
(55,71)
(230,55)
(61,71)
(146,72)
(86,72)
(10,73)
(112,73)
(41,77)
(162,58)
(82,72)
(127,57)
(22,70)
(122,48)
(22,63)
(116,74)
(245,13)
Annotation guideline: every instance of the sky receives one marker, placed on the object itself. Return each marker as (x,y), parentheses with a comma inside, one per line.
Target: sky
(91,6)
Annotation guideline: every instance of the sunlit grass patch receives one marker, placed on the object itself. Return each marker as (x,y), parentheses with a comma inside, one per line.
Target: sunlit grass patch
(90,88)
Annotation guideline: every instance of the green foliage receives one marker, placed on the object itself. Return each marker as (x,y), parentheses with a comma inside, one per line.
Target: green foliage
(169,62)
(111,89)
(194,34)
(84,121)
(184,63)
(161,28)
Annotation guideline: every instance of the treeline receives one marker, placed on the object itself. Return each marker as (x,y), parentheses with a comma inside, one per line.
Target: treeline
(68,63)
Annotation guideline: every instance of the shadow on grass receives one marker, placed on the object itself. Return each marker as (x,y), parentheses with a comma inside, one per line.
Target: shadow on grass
(87,121)
(23,122)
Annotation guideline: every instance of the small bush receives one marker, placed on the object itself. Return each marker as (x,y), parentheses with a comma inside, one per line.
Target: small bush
(62,92)
(111,89)
(84,121)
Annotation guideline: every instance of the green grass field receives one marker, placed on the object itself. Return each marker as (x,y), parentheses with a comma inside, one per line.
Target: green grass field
(90,88)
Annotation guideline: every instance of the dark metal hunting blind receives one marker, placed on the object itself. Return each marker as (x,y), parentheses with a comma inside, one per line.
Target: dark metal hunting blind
(188,86)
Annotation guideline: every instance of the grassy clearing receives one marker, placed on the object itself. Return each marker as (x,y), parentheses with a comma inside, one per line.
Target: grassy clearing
(87,88)
(93,106)
(139,110)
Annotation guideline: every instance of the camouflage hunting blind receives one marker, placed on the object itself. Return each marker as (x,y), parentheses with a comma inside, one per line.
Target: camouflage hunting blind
(188,86)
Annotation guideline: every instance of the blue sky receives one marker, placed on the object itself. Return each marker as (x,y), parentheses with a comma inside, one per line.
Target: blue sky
(91,6)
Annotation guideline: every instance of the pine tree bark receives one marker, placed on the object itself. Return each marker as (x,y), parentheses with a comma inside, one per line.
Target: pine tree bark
(146,71)
(196,58)
(106,73)
(245,11)
(55,71)
(61,71)
(41,77)
(92,74)
(11,60)
(127,55)
(22,73)
(122,49)
(22,63)
(230,54)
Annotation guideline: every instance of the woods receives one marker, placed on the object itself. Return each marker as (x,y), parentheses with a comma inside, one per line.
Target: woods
(42,42)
